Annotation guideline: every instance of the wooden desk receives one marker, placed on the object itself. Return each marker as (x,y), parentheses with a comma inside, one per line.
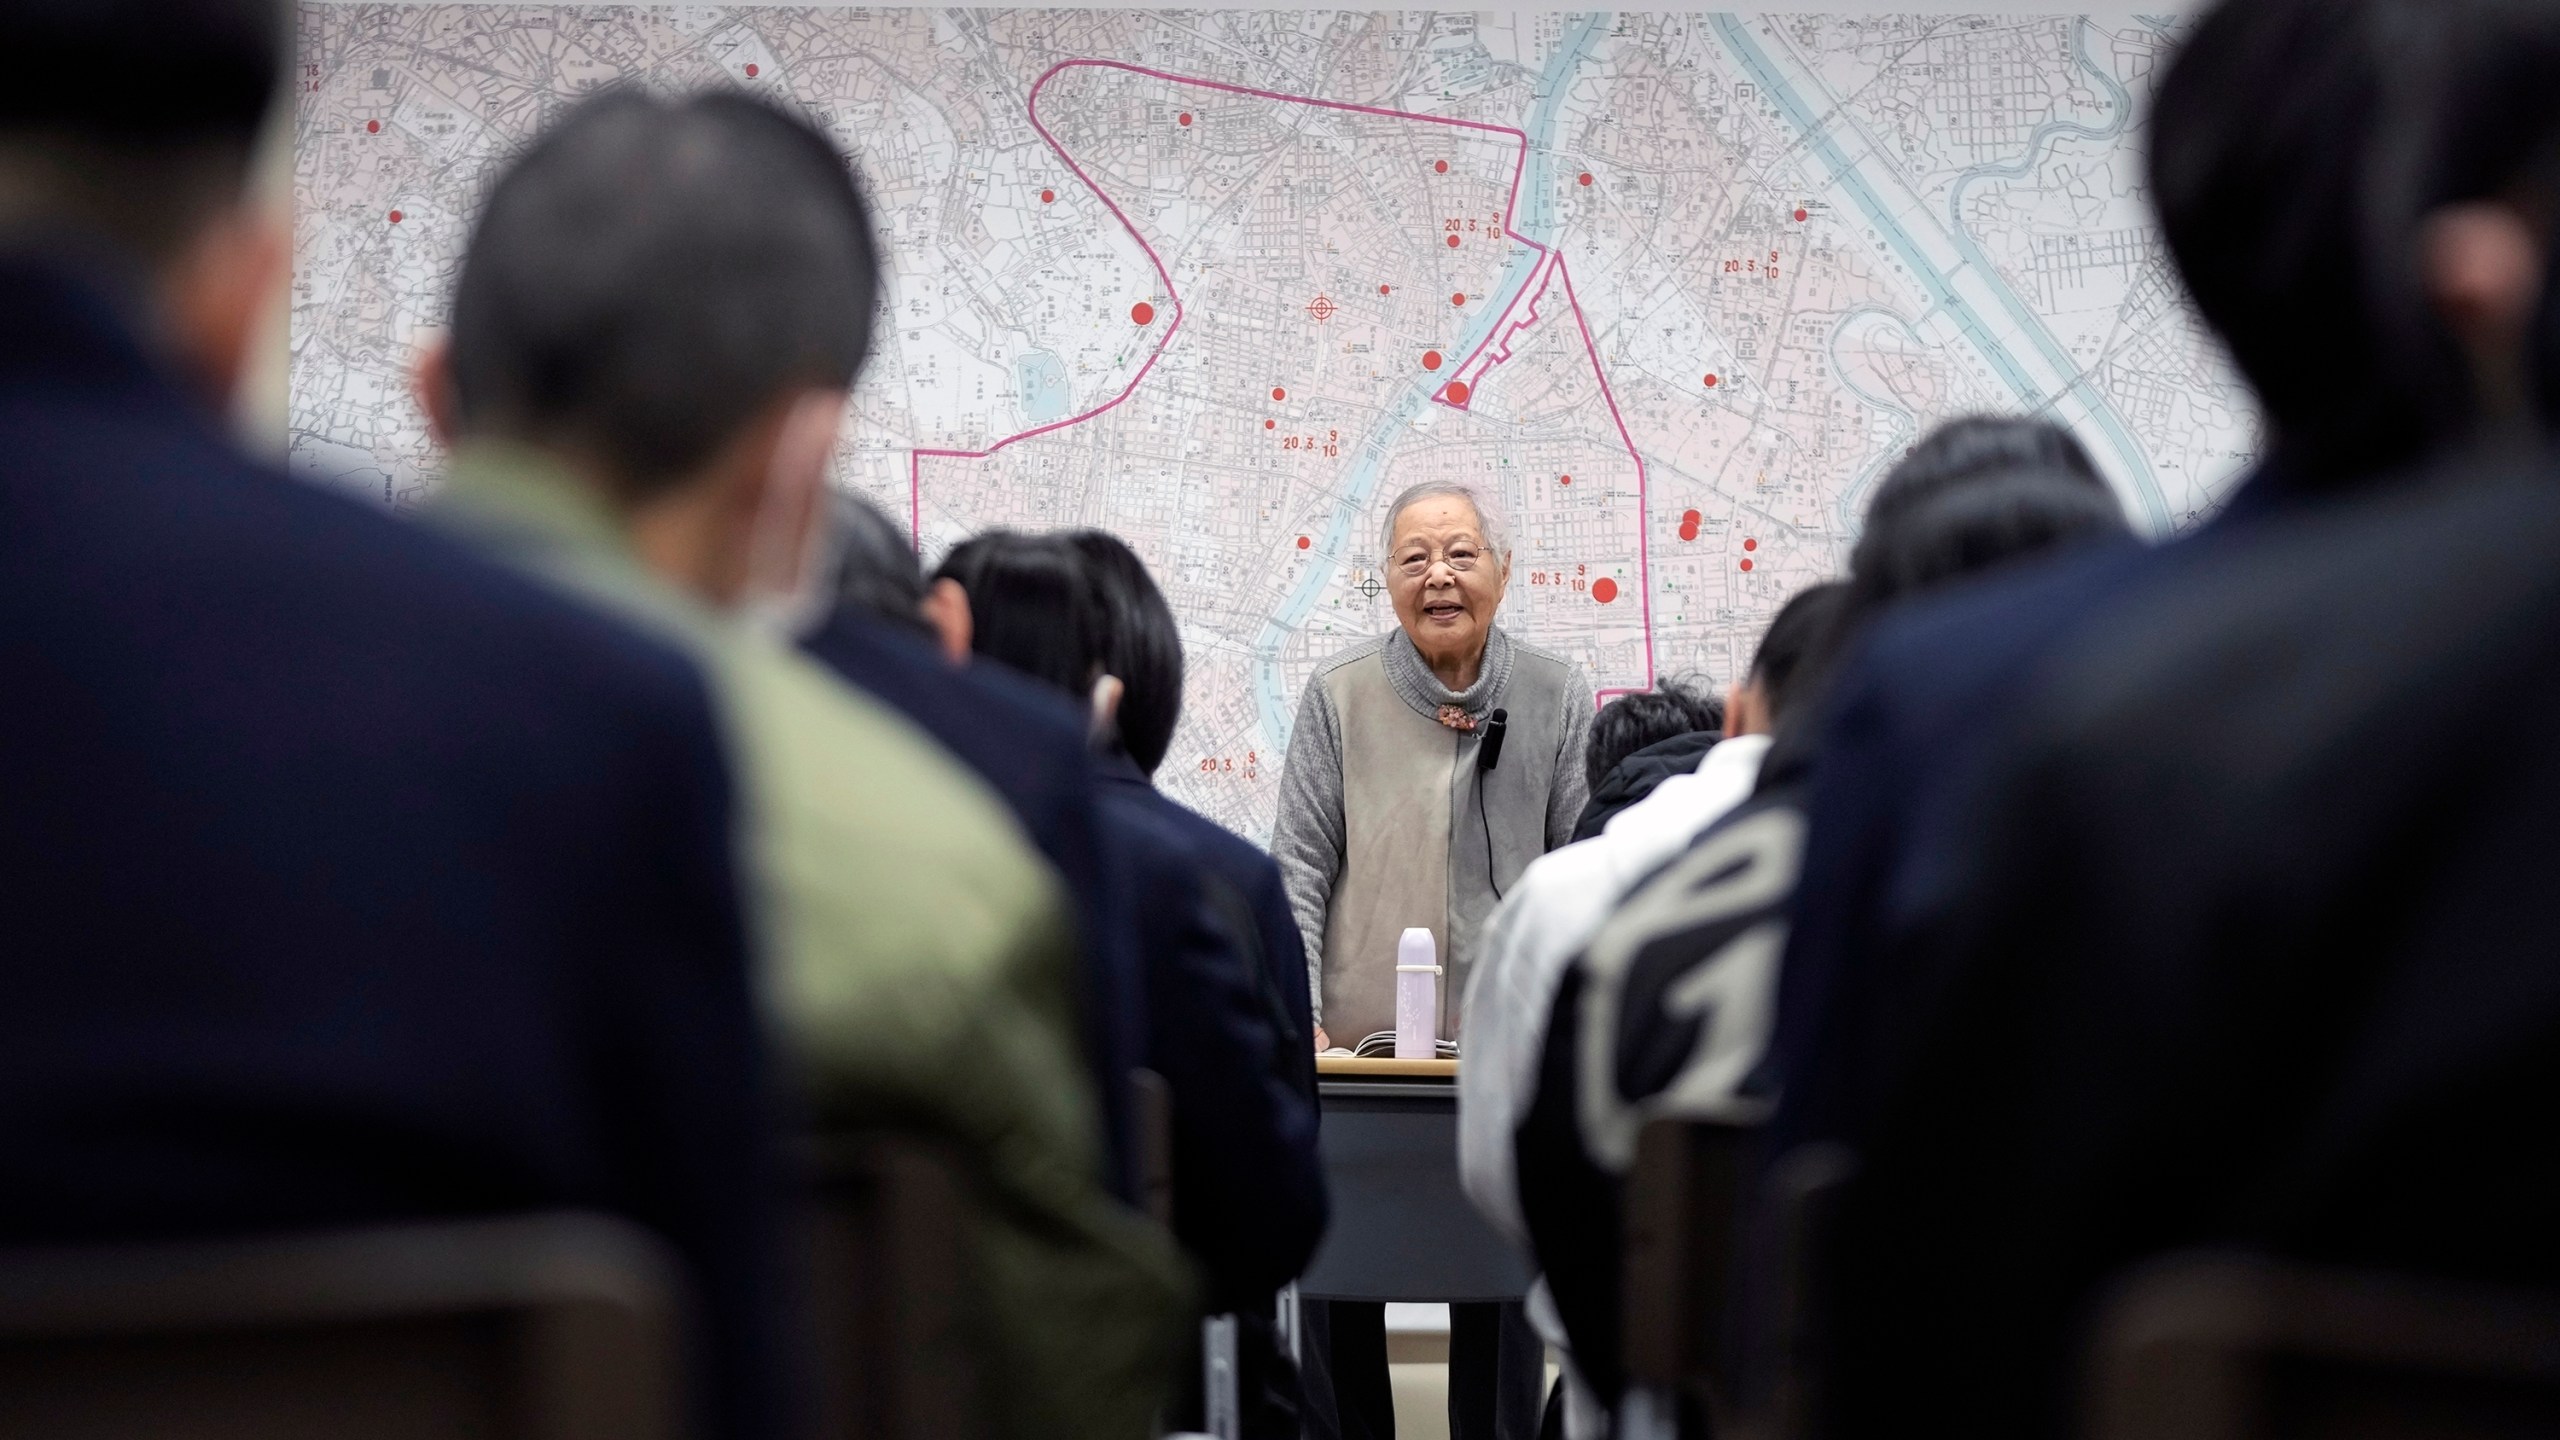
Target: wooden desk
(1402,1229)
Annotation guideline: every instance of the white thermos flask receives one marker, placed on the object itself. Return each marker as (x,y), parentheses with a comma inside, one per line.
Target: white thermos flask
(1417,996)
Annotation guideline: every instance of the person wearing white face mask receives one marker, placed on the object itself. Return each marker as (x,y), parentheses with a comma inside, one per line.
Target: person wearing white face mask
(653,338)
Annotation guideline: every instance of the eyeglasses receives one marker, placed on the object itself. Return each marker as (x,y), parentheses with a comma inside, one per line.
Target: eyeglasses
(1416,562)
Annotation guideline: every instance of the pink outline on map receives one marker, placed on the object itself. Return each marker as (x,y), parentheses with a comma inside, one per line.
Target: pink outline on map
(1499,335)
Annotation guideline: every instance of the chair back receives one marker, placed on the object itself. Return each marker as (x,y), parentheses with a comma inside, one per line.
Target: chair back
(897,1310)
(1684,1200)
(2220,1346)
(543,1327)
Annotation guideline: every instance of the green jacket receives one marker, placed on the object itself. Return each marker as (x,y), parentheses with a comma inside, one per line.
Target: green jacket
(917,961)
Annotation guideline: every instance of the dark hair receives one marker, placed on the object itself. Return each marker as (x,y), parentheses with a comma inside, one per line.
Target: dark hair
(1645,717)
(2297,146)
(651,274)
(132,120)
(870,568)
(1141,643)
(1796,642)
(1029,606)
(1973,446)
(1973,528)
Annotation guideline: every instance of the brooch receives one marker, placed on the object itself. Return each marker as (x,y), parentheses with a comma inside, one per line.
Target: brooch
(1456,719)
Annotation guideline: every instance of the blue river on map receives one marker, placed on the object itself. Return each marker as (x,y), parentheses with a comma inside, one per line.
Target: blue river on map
(1344,535)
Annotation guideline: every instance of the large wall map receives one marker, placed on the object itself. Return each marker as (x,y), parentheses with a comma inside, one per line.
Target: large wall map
(1681,285)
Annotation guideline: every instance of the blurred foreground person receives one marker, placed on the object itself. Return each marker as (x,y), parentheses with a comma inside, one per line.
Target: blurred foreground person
(2251,949)
(661,312)
(1563,898)
(1248,1195)
(347,878)
(1638,741)
(1023,740)
(2356,192)
(1667,1010)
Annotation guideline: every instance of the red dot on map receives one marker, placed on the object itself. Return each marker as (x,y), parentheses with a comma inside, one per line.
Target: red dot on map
(1604,589)
(1143,313)
(1750,544)
(1270,424)
(1564,479)
(1048,197)
(1430,359)
(1440,167)
(395,217)
(1688,529)
(751,69)
(1690,517)
(1279,394)
(1304,542)
(1458,392)
(1746,564)
(1453,242)
(1799,215)
(1586,177)
(1183,118)
(1711,382)
(373,127)
(1383,289)
(1458,299)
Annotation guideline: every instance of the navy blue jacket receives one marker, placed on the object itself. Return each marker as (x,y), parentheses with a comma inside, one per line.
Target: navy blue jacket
(1909,730)
(1029,747)
(1243,886)
(344,878)
(1249,1199)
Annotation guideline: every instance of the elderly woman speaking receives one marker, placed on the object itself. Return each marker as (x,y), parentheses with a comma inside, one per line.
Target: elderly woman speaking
(1428,768)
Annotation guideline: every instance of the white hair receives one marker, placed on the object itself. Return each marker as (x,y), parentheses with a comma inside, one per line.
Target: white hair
(1486,504)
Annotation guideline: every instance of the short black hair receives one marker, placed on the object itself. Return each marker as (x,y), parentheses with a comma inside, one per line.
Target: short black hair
(132,120)
(2297,146)
(870,567)
(1030,607)
(1640,718)
(1069,609)
(1978,526)
(1793,648)
(652,273)
(1141,644)
(1976,445)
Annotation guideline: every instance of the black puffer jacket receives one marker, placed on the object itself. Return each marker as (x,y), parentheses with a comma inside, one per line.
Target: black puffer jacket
(1636,776)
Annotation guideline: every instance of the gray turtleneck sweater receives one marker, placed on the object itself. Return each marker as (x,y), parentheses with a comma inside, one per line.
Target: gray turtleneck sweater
(1495,823)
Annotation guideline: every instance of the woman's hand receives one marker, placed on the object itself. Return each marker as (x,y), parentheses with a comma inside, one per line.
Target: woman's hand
(1324,1042)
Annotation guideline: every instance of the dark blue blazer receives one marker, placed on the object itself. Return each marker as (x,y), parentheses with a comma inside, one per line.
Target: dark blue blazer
(1249,1198)
(344,878)
(1244,886)
(1029,746)
(1913,723)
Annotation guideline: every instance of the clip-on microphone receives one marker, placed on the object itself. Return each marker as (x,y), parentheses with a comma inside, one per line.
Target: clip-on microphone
(1488,755)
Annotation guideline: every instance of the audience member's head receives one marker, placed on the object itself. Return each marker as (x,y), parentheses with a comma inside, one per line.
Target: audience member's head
(2356,193)
(126,132)
(1967,529)
(673,296)
(869,568)
(1642,718)
(1080,612)
(1799,634)
(1141,644)
(1963,450)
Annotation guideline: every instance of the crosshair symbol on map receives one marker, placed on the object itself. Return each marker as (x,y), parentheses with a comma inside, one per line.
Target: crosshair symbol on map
(1369,587)
(1321,307)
